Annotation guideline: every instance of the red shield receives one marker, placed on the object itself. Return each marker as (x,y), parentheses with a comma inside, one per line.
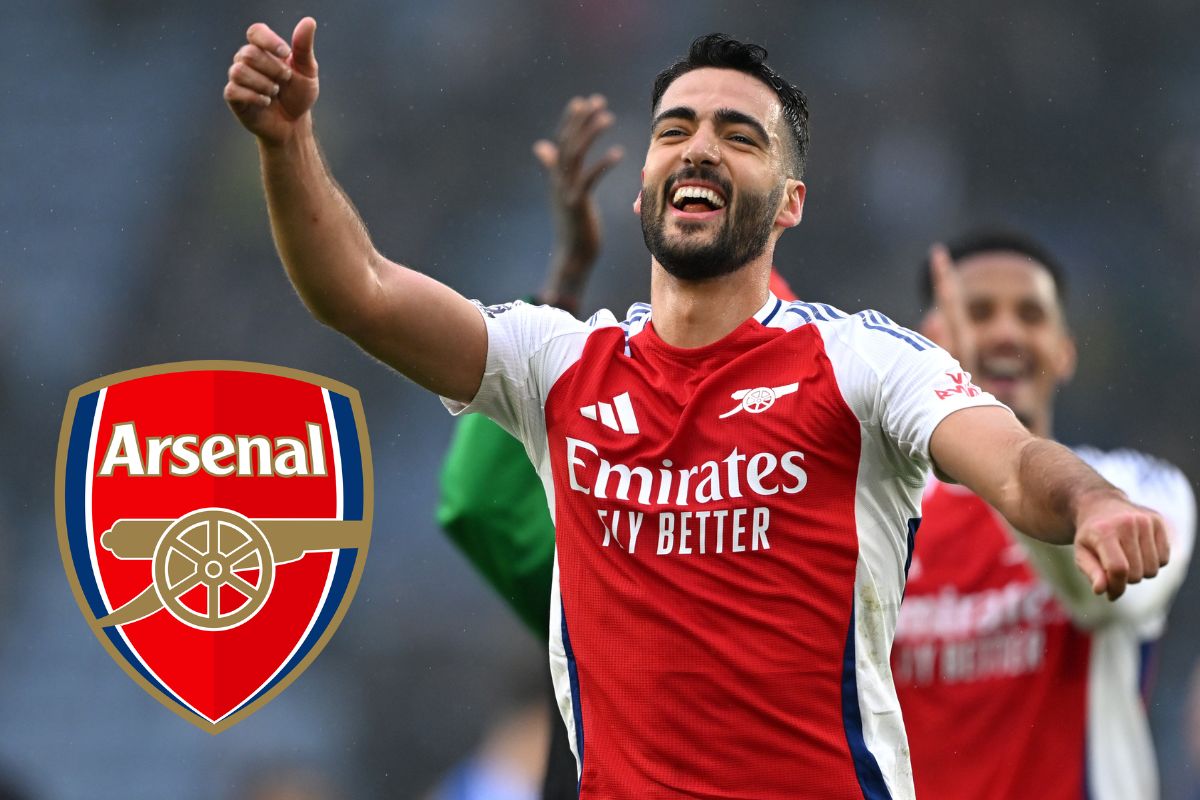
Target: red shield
(214,519)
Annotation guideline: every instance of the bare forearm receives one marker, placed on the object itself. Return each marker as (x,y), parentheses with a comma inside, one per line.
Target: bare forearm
(1047,493)
(320,237)
(576,219)
(1052,489)
(411,322)
(564,285)
(1039,486)
(405,319)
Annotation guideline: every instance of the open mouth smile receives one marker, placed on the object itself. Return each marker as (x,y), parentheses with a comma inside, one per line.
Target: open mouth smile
(696,201)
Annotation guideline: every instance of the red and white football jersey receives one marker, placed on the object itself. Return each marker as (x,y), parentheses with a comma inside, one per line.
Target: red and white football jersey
(1015,680)
(733,526)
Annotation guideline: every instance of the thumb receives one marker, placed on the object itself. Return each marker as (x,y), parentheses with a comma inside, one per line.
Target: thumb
(1090,566)
(303,59)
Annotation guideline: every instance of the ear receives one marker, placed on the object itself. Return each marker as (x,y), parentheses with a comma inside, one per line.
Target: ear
(1068,357)
(793,204)
(637,203)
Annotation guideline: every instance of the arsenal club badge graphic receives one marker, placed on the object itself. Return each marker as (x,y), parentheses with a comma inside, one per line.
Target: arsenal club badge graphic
(214,520)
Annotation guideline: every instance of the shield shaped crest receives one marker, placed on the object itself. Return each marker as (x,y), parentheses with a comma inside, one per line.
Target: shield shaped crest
(214,519)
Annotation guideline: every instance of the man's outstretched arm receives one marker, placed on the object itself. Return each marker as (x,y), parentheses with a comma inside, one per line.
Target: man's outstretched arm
(1046,492)
(410,321)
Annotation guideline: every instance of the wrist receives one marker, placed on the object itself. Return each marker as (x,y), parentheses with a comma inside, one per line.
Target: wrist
(298,135)
(1088,501)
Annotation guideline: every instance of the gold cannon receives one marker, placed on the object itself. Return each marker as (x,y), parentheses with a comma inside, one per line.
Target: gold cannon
(209,547)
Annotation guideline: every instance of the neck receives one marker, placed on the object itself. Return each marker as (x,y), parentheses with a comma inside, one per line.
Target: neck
(696,313)
(1041,424)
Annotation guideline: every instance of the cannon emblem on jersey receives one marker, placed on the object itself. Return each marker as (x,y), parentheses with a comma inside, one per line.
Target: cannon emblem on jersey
(215,548)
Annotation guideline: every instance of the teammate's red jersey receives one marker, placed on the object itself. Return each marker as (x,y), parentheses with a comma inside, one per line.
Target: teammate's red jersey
(1016,685)
(733,524)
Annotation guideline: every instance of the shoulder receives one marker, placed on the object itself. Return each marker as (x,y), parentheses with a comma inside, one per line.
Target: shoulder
(541,321)
(867,338)
(865,328)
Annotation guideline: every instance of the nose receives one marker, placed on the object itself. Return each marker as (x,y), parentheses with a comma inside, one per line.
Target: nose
(703,147)
(1003,328)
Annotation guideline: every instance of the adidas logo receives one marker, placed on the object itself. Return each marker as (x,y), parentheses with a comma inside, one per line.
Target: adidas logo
(622,420)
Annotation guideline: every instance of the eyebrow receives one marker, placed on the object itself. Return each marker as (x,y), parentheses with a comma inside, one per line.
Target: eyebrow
(723,116)
(678,112)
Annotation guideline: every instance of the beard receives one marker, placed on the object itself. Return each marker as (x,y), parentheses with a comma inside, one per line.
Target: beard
(742,237)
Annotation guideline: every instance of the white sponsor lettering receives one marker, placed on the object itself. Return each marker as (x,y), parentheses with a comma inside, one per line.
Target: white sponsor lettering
(572,446)
(762,521)
(612,530)
(949,614)
(691,530)
(1000,655)
(686,533)
(694,485)
(625,476)
(995,633)
(755,473)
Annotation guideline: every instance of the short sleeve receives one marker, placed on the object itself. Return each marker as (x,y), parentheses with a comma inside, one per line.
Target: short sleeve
(529,347)
(899,381)
(920,390)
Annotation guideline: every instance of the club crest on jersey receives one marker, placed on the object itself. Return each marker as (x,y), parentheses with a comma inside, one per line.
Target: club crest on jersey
(213,519)
(759,399)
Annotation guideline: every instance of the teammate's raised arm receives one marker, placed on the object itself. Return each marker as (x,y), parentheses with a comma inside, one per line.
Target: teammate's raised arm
(576,220)
(493,505)
(411,322)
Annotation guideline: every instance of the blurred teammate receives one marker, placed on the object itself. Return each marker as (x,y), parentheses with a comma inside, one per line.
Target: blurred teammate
(735,483)
(1014,678)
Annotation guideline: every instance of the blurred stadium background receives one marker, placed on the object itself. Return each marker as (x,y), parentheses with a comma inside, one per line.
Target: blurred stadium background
(133,231)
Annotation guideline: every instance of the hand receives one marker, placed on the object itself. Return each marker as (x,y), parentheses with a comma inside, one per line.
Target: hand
(1118,542)
(955,336)
(576,220)
(273,85)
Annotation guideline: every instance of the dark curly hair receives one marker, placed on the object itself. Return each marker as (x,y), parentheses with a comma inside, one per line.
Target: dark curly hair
(998,240)
(721,50)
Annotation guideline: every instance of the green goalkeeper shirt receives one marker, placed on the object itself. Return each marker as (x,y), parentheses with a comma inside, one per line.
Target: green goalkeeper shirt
(493,507)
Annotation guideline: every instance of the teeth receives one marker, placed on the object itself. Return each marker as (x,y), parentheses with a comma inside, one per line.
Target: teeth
(698,193)
(1004,367)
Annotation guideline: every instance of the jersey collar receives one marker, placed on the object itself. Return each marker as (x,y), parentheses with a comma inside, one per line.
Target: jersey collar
(769,309)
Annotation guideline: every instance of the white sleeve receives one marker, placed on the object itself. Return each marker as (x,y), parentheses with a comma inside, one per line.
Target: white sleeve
(1158,486)
(905,384)
(529,347)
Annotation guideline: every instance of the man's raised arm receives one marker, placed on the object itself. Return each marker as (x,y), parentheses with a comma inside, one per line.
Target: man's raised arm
(1046,492)
(411,322)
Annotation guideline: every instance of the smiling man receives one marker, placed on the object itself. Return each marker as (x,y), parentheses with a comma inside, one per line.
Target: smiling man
(734,480)
(996,631)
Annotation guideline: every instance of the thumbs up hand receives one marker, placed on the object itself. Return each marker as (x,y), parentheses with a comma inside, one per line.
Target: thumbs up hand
(273,84)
